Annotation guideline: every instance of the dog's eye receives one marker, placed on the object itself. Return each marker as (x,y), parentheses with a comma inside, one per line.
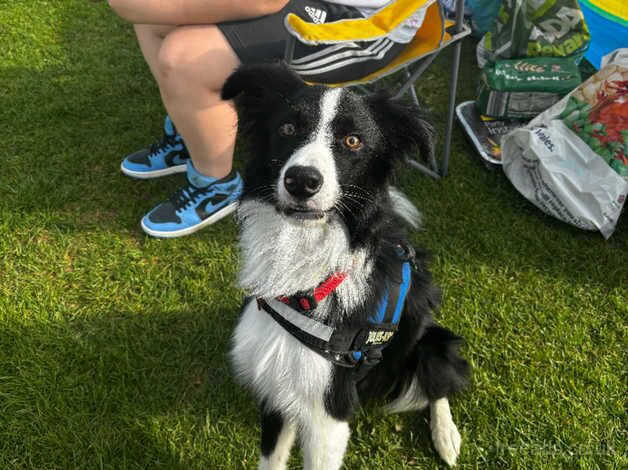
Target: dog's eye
(353,142)
(287,129)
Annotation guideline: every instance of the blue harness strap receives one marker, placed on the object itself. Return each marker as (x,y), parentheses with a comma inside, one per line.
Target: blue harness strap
(384,304)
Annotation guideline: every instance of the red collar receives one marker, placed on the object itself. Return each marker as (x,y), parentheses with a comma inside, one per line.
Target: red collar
(309,300)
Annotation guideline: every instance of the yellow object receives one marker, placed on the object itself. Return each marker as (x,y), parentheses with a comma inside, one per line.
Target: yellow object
(618,8)
(360,29)
(429,38)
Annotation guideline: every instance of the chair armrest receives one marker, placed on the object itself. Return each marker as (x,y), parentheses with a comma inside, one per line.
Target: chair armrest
(357,29)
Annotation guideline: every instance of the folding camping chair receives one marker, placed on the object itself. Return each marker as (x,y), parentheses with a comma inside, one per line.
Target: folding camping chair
(433,36)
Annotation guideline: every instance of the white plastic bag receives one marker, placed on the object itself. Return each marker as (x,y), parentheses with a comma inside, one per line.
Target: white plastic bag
(558,171)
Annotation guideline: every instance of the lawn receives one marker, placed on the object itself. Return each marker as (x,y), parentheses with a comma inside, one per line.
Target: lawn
(113,345)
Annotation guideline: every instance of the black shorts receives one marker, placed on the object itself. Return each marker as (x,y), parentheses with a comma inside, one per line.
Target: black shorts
(264,39)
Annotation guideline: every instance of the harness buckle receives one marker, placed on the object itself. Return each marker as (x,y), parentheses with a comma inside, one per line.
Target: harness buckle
(306,302)
(407,253)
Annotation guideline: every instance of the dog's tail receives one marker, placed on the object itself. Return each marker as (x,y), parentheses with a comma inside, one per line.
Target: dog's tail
(404,208)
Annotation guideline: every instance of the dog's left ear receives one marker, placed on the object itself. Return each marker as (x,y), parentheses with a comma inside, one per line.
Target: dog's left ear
(261,85)
(404,126)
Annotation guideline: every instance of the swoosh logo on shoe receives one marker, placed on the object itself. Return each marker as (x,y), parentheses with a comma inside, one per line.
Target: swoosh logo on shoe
(175,158)
(214,200)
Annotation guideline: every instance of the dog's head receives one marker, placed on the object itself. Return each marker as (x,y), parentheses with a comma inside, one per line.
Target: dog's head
(320,151)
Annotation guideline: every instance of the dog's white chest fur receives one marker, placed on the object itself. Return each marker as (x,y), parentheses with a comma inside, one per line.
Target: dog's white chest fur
(282,257)
(280,370)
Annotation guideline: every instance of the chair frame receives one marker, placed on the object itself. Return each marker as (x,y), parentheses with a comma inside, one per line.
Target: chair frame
(434,168)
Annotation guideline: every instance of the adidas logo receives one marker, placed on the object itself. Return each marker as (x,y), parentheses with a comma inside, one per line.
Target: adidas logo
(318,16)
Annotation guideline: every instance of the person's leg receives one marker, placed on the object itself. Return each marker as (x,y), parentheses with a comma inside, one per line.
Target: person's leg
(191,66)
(169,155)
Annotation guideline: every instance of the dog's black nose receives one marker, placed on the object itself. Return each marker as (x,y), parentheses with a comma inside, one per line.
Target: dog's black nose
(302,182)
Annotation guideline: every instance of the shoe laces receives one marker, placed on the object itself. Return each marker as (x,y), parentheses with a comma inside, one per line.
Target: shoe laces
(166,143)
(186,195)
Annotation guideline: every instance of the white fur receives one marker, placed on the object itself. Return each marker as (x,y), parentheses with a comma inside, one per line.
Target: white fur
(317,153)
(290,377)
(445,435)
(411,399)
(324,442)
(404,208)
(282,256)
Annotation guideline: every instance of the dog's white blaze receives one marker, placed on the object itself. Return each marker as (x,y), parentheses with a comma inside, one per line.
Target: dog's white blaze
(317,152)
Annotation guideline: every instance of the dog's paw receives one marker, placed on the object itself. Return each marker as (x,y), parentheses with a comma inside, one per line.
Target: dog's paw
(447,440)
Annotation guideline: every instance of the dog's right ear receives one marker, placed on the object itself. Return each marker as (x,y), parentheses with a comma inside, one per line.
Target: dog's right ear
(261,85)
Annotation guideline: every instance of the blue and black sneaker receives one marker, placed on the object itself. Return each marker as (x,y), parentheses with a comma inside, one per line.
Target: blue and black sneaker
(200,203)
(166,157)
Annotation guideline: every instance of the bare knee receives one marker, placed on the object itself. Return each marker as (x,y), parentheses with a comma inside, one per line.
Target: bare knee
(175,66)
(191,57)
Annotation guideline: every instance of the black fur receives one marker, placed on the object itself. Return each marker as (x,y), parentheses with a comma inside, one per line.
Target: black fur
(272,423)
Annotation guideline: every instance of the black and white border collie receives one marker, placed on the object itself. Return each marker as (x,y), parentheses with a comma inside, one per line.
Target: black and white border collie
(317,201)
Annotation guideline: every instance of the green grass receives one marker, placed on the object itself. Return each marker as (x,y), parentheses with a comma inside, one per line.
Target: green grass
(113,345)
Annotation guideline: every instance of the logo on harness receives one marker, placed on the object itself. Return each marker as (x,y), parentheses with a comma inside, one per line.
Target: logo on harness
(379,337)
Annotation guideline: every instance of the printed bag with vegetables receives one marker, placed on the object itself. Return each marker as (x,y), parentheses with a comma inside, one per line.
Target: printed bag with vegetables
(598,113)
(571,160)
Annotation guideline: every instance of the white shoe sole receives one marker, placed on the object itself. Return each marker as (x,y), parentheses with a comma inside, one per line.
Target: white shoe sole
(222,213)
(147,175)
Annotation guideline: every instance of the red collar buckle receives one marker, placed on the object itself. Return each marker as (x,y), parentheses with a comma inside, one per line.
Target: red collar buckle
(309,301)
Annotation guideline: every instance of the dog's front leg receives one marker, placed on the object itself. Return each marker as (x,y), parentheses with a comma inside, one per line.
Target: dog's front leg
(277,439)
(445,435)
(324,441)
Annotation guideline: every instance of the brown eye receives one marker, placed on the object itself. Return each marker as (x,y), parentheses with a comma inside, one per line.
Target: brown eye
(353,142)
(287,129)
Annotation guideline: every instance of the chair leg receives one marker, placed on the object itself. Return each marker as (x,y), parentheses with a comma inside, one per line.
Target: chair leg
(409,83)
(451,109)
(422,168)
(453,86)
(409,86)
(289,50)
(415,98)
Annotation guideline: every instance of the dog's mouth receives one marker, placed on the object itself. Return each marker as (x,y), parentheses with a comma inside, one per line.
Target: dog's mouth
(305,213)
